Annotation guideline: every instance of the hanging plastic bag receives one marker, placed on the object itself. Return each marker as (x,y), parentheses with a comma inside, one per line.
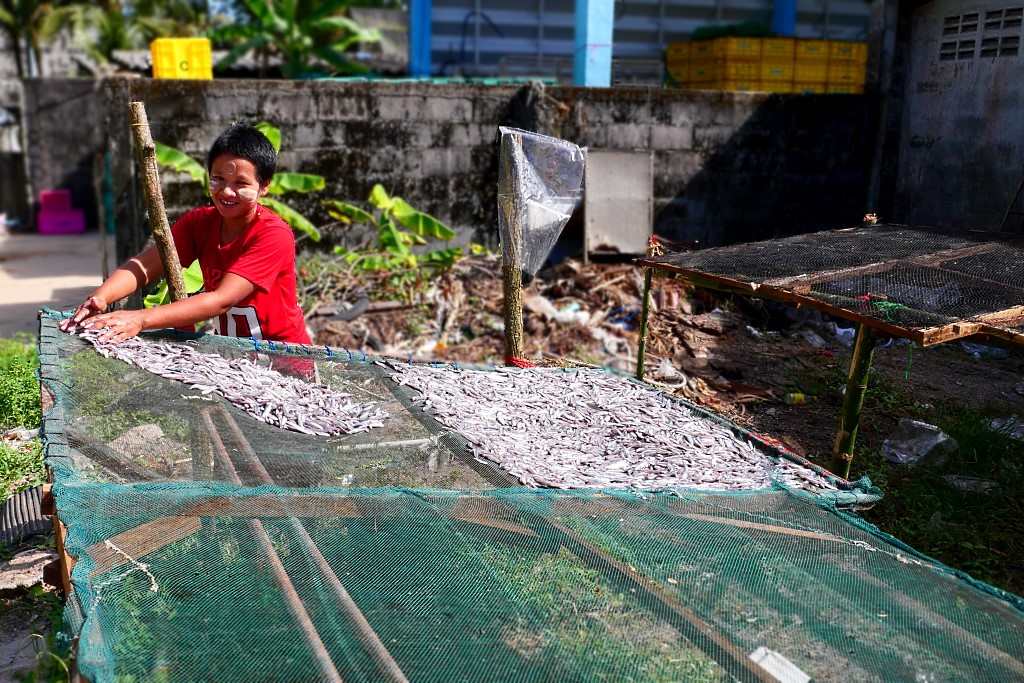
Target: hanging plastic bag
(540,183)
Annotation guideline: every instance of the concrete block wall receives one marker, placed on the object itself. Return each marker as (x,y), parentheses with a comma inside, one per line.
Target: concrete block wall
(728,166)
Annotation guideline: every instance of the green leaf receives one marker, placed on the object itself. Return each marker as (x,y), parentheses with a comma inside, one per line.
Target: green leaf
(193,277)
(295,182)
(343,211)
(422,224)
(292,217)
(271,132)
(327,8)
(176,160)
(379,198)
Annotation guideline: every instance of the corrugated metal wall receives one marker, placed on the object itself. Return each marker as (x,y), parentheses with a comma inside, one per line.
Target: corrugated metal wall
(535,37)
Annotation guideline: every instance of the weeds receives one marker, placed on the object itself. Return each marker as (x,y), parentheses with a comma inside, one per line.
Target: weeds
(21,467)
(19,388)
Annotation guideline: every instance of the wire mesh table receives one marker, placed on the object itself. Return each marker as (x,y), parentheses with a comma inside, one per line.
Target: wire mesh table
(923,284)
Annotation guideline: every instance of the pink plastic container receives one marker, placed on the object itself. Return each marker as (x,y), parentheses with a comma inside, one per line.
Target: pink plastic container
(69,222)
(55,200)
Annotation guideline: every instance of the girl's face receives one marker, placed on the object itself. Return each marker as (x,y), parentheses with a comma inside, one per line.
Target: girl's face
(234,186)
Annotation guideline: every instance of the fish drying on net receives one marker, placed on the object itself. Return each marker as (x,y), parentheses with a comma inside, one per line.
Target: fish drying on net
(266,394)
(588,428)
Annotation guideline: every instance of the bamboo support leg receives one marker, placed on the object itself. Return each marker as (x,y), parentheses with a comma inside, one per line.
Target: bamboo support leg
(158,224)
(853,402)
(645,313)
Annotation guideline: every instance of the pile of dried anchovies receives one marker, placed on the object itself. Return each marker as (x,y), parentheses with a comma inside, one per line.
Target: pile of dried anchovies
(589,428)
(277,399)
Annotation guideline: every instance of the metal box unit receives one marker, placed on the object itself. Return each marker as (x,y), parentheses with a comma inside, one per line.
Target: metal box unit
(618,202)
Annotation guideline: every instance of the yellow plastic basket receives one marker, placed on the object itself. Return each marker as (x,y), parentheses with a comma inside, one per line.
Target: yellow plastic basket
(812,50)
(777,71)
(738,85)
(748,49)
(809,88)
(777,86)
(778,49)
(739,71)
(702,50)
(847,51)
(810,72)
(846,72)
(677,52)
(182,58)
(845,89)
(703,72)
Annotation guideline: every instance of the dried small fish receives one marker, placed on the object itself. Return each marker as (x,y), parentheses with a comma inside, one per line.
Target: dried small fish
(589,428)
(277,399)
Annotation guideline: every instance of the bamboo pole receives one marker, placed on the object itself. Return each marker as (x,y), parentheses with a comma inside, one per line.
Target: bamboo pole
(853,401)
(653,249)
(645,311)
(158,224)
(512,288)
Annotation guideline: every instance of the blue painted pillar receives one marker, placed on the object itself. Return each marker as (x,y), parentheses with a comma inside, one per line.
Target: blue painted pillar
(784,17)
(419,38)
(592,58)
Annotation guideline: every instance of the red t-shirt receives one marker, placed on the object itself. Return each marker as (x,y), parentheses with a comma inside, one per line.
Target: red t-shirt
(264,255)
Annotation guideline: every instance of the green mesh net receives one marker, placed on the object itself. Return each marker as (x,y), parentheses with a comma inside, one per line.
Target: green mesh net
(213,547)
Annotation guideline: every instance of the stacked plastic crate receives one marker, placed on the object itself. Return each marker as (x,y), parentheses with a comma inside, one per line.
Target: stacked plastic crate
(782,65)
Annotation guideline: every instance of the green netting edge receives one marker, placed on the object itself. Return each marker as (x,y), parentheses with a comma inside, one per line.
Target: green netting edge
(58,459)
(859,493)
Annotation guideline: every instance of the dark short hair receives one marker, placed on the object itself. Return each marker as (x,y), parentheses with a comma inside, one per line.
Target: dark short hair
(246,142)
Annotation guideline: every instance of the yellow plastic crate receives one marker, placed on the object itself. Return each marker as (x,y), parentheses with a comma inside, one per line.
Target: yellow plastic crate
(846,72)
(738,85)
(778,49)
(809,88)
(842,50)
(812,50)
(702,50)
(777,71)
(703,72)
(739,71)
(810,72)
(845,89)
(777,86)
(182,58)
(747,49)
(677,52)
(678,72)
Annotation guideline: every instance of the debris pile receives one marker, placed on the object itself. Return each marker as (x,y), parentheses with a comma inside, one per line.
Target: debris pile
(589,428)
(266,394)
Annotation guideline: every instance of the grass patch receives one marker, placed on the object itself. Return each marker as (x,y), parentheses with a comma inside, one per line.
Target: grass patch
(21,467)
(980,533)
(19,386)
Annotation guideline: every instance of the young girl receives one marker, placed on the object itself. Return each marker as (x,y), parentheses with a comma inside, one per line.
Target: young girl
(246,252)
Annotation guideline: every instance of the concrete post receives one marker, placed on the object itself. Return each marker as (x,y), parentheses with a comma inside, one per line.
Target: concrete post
(419,38)
(592,57)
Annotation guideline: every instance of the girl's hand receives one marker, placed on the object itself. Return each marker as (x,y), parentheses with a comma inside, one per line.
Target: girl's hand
(92,306)
(117,326)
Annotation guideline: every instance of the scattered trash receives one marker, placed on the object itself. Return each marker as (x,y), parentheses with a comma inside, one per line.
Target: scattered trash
(813,338)
(980,351)
(754,332)
(20,434)
(970,484)
(795,398)
(845,335)
(667,372)
(914,441)
(1011,426)
(1019,388)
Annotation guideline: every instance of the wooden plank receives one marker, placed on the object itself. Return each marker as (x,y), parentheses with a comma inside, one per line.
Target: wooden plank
(274,506)
(772,528)
(927,614)
(490,513)
(776,294)
(67,561)
(135,544)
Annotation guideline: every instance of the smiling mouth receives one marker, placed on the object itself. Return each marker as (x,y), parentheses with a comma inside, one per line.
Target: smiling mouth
(228,203)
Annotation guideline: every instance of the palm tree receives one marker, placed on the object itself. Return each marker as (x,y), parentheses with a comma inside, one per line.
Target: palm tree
(302,32)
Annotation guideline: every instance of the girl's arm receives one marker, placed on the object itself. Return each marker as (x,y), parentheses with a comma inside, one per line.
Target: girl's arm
(133,275)
(121,325)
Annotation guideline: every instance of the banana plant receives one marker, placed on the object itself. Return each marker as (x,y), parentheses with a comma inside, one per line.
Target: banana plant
(399,227)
